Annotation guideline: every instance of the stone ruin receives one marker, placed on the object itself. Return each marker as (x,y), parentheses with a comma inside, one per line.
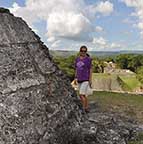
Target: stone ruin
(37,102)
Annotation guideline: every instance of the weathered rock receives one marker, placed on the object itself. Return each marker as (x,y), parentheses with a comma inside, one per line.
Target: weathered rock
(3,10)
(37,103)
(101,127)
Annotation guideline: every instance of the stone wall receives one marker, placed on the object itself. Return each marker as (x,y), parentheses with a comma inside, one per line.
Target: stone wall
(108,83)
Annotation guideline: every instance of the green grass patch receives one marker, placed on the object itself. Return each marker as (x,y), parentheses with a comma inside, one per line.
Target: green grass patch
(128,104)
(138,140)
(130,82)
(102,75)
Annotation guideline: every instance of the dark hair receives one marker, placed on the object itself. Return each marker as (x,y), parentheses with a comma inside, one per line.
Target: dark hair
(83,47)
(87,55)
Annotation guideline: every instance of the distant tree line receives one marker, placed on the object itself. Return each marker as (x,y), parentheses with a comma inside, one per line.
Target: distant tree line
(129,61)
(132,62)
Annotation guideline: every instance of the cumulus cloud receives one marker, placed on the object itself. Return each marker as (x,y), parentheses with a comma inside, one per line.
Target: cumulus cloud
(140,25)
(69,19)
(24,12)
(104,7)
(105,44)
(132,3)
(138,5)
(98,29)
(68,24)
(51,39)
(100,41)
(56,44)
(115,45)
(15,7)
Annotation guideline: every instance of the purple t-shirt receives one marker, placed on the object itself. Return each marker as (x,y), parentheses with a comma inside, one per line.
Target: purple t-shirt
(83,68)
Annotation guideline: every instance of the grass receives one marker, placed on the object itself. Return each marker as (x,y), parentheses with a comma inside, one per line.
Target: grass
(131,81)
(128,104)
(138,140)
(101,75)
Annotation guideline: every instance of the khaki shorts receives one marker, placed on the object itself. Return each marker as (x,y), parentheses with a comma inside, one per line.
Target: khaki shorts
(83,87)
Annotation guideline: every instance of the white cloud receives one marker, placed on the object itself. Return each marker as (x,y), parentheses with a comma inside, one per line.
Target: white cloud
(140,25)
(98,29)
(104,7)
(14,8)
(24,12)
(68,24)
(69,19)
(51,39)
(56,44)
(133,3)
(141,33)
(138,5)
(115,45)
(100,41)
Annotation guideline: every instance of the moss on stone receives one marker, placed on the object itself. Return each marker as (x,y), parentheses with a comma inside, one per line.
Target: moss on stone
(4,10)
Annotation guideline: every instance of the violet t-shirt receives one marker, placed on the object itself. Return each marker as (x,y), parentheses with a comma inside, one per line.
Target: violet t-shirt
(83,68)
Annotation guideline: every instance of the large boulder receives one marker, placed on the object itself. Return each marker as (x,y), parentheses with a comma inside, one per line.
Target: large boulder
(37,103)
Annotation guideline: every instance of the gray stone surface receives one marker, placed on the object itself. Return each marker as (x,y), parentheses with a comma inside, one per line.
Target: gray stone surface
(37,103)
(100,127)
(108,83)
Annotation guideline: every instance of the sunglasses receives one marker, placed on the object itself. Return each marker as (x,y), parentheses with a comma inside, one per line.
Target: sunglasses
(83,51)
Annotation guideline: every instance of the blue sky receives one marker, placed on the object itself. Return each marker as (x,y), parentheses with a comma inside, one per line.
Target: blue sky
(101,25)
